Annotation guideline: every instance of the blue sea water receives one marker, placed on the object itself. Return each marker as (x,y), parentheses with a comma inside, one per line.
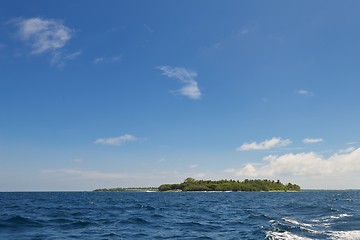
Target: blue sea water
(188,215)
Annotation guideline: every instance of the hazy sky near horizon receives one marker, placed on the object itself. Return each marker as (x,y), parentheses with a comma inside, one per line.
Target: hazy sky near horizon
(139,93)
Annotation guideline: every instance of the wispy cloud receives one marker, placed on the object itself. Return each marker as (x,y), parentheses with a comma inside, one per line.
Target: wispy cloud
(98,60)
(148,28)
(77,160)
(162,160)
(312,140)
(46,36)
(112,59)
(117,141)
(192,166)
(347,150)
(187,77)
(59,59)
(304,92)
(245,31)
(84,174)
(265,145)
(72,56)
(234,37)
(116,58)
(43,34)
(302,164)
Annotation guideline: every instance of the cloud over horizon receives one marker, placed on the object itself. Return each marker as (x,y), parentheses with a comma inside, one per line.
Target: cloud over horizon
(306,164)
(187,77)
(265,145)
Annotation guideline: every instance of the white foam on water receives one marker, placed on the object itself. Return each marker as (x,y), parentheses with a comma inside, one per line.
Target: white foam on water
(340,216)
(304,226)
(324,221)
(329,218)
(284,236)
(345,235)
(295,222)
(333,235)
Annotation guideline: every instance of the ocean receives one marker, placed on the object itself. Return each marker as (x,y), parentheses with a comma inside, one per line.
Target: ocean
(186,215)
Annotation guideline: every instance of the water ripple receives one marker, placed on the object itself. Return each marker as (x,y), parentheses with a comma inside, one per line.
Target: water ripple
(89,215)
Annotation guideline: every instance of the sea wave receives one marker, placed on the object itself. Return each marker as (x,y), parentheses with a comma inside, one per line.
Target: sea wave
(273,216)
(332,235)
(19,222)
(273,235)
(331,217)
(345,235)
(295,222)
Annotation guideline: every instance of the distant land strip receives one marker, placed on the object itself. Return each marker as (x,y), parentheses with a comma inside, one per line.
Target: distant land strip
(129,189)
(191,185)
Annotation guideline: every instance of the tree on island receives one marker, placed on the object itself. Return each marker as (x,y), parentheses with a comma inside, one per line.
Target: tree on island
(191,184)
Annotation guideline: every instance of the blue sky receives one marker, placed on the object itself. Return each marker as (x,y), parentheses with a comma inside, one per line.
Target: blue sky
(139,93)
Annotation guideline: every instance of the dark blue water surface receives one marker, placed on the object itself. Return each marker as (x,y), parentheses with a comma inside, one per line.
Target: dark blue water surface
(189,215)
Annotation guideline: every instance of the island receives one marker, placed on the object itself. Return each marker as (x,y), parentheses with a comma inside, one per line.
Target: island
(191,184)
(257,185)
(128,189)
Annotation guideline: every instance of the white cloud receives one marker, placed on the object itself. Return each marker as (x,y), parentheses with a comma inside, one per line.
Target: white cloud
(46,36)
(267,144)
(116,140)
(98,60)
(347,150)
(72,56)
(190,90)
(107,59)
(303,164)
(304,92)
(312,140)
(187,77)
(249,171)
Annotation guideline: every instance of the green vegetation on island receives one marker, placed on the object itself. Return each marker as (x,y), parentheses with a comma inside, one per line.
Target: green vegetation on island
(191,184)
(247,185)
